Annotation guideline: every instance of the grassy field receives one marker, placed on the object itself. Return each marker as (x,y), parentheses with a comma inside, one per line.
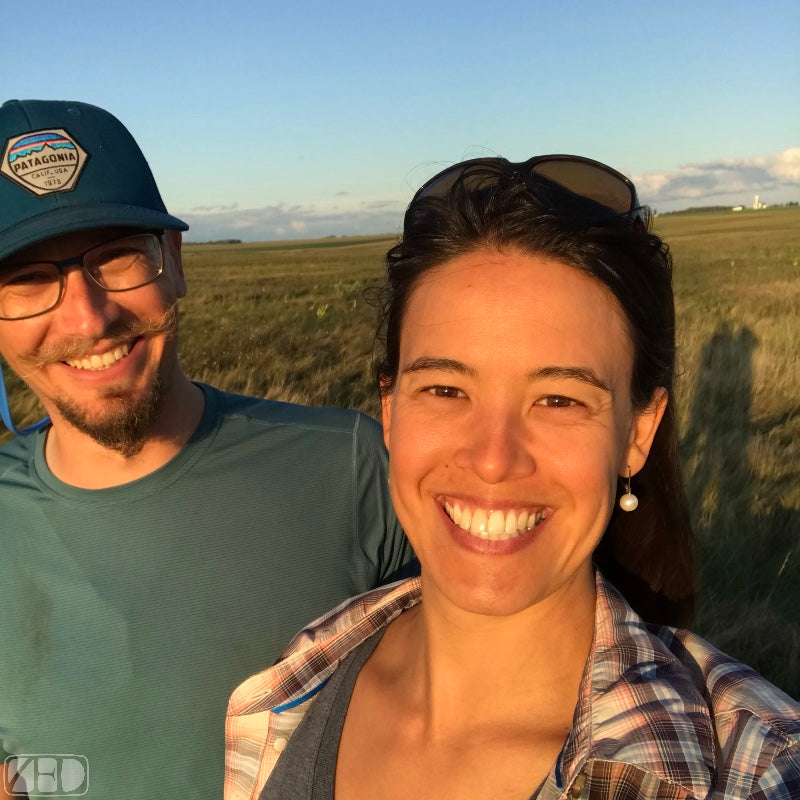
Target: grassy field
(737,280)
(289,321)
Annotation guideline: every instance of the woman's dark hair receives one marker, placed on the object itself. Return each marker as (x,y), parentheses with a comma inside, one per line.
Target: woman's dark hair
(648,555)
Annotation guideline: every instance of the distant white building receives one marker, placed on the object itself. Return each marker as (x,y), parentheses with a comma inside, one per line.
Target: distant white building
(757,204)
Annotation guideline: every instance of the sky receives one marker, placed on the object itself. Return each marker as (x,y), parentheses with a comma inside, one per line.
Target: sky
(265,120)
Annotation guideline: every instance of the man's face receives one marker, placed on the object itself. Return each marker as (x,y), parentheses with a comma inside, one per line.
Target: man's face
(100,361)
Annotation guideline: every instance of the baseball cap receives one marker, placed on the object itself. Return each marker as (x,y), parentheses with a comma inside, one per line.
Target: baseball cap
(67,166)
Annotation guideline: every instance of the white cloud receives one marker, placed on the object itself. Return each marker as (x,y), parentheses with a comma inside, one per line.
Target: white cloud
(213,209)
(776,178)
(282,220)
(787,165)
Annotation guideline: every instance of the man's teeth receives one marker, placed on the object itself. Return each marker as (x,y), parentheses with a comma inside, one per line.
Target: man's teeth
(100,360)
(494,525)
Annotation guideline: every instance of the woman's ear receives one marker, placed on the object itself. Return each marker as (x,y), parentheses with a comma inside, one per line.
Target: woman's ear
(643,430)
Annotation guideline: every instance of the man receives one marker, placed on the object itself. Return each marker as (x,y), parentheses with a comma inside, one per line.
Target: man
(161,539)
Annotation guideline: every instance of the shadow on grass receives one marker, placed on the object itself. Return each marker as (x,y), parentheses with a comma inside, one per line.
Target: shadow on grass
(750,564)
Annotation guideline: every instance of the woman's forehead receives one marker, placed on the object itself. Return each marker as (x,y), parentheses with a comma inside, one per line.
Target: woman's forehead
(514,304)
(489,279)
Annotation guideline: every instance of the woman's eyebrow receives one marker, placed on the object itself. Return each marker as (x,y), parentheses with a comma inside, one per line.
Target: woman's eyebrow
(439,364)
(583,374)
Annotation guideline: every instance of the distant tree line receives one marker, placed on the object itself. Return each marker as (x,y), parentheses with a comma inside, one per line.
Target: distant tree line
(219,241)
(722,209)
(698,210)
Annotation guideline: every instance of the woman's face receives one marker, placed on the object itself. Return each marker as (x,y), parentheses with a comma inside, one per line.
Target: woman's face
(508,425)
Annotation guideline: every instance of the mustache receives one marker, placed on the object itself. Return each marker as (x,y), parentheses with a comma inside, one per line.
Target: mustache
(118,333)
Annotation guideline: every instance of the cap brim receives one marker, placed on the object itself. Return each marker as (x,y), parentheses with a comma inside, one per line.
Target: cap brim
(56,222)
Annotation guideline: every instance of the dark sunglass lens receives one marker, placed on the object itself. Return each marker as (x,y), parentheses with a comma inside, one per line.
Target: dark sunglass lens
(441,184)
(474,175)
(589,181)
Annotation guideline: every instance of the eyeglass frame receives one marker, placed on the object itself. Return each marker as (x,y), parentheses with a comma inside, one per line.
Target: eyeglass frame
(636,211)
(78,260)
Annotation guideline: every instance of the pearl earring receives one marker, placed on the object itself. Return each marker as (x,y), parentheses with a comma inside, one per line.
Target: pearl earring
(628,501)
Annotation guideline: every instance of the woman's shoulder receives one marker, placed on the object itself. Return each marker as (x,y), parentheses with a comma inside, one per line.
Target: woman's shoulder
(315,652)
(678,655)
(265,710)
(732,689)
(671,703)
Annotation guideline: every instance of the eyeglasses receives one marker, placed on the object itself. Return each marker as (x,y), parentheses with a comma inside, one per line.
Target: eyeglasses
(30,289)
(582,176)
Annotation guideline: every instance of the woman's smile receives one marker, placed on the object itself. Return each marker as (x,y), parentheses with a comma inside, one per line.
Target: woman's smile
(491,523)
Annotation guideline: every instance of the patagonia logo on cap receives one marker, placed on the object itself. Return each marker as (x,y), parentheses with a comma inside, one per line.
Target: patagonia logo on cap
(44,162)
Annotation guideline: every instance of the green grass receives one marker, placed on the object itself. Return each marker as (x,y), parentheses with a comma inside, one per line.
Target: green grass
(289,320)
(283,321)
(737,281)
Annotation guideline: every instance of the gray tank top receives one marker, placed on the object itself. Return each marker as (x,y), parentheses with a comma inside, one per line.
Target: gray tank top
(306,769)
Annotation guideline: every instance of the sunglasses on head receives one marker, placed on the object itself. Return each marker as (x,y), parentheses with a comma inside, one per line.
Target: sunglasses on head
(581,176)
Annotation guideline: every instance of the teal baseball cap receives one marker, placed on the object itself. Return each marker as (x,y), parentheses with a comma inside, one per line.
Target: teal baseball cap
(68,166)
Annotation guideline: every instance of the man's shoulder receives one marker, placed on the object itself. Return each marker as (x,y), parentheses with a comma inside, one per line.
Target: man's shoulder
(16,455)
(259,411)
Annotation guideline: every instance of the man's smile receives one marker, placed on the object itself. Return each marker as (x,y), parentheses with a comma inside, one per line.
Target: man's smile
(98,361)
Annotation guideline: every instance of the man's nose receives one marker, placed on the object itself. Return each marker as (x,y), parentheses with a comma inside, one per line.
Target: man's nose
(86,309)
(497,447)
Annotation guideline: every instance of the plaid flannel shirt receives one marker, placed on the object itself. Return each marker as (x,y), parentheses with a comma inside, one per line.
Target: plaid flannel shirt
(661,713)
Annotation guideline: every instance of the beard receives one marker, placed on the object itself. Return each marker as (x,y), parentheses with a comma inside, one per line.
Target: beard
(125,423)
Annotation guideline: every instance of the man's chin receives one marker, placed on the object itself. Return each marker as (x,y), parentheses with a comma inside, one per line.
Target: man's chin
(121,423)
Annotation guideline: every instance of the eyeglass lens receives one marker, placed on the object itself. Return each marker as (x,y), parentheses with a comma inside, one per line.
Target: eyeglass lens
(123,264)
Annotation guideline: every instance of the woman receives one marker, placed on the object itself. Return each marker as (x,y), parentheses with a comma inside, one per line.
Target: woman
(529,360)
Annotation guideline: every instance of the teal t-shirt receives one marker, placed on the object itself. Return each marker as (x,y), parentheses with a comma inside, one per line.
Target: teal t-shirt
(129,614)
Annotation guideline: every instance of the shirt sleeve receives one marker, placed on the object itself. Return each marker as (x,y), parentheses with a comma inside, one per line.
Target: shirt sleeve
(380,537)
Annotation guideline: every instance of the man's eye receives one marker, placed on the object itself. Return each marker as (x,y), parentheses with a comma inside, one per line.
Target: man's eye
(556,401)
(118,260)
(445,391)
(32,277)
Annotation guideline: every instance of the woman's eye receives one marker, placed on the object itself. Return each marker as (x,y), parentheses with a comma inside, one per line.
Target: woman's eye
(556,401)
(445,391)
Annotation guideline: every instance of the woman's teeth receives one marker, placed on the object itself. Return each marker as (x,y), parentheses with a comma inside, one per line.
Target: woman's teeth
(495,524)
(100,360)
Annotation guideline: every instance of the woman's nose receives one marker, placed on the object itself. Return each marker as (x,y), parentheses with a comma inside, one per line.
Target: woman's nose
(496,448)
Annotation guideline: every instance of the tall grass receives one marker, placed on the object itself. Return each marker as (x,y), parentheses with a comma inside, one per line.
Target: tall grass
(737,280)
(289,321)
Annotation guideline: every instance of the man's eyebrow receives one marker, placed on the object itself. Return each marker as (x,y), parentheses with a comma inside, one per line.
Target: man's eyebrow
(583,374)
(439,364)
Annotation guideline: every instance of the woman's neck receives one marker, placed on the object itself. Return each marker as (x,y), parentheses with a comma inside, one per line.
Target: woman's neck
(454,664)
(457,704)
